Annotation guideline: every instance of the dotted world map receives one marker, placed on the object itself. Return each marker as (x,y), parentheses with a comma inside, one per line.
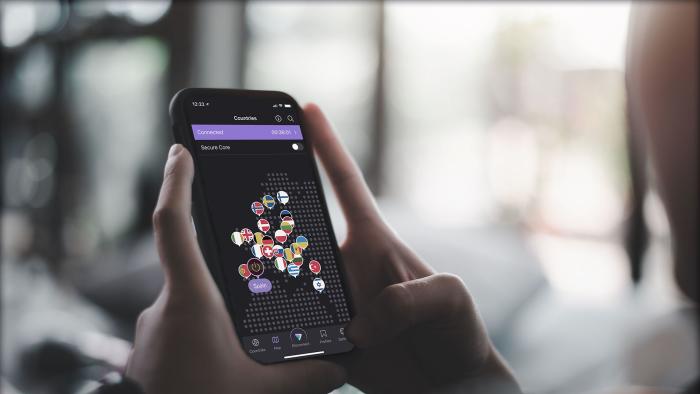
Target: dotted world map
(293,301)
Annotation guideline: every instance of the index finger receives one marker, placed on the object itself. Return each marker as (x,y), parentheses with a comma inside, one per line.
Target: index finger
(355,197)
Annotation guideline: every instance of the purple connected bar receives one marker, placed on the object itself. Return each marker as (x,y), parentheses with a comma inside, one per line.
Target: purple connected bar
(250,132)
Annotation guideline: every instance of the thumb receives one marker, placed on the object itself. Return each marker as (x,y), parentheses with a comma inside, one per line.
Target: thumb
(403,306)
(177,245)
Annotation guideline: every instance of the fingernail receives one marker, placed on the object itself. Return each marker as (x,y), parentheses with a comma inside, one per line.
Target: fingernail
(175,149)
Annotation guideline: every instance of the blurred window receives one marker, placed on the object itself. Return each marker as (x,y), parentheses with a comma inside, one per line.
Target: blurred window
(321,52)
(510,112)
(86,87)
(516,110)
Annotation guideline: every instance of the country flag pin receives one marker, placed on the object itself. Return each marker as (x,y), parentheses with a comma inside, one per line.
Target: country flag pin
(297,260)
(243,271)
(287,227)
(247,235)
(256,250)
(267,252)
(267,240)
(296,248)
(263,225)
(255,267)
(259,237)
(288,255)
(278,251)
(284,213)
(257,208)
(288,219)
(280,264)
(319,285)
(236,238)
(302,241)
(282,197)
(281,236)
(314,266)
(268,201)
(293,270)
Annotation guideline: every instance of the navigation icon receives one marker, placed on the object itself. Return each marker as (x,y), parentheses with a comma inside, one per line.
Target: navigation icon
(297,335)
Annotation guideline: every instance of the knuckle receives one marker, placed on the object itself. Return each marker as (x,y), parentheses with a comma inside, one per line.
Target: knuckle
(142,319)
(170,169)
(398,301)
(164,217)
(459,295)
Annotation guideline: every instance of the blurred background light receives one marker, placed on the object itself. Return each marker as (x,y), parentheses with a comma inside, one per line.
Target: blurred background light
(18,22)
(139,11)
(21,19)
(493,134)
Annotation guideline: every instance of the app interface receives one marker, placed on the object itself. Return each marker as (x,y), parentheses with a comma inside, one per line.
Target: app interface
(278,255)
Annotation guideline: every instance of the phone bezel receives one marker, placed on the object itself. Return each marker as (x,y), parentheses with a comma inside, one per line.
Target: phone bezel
(180,125)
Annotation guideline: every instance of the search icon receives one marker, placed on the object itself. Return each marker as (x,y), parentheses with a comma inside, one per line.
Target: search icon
(290,118)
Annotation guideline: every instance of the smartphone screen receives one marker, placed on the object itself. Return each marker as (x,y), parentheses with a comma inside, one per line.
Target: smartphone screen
(279,262)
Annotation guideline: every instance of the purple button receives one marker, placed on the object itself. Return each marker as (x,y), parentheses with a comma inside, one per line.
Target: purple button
(247,132)
(260,285)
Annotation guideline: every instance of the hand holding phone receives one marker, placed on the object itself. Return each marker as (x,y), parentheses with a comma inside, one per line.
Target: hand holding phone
(185,342)
(416,331)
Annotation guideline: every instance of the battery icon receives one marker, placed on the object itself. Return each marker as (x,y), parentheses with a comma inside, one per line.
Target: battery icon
(288,106)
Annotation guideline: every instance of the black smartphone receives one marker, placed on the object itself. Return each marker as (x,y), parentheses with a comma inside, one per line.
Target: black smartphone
(262,221)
